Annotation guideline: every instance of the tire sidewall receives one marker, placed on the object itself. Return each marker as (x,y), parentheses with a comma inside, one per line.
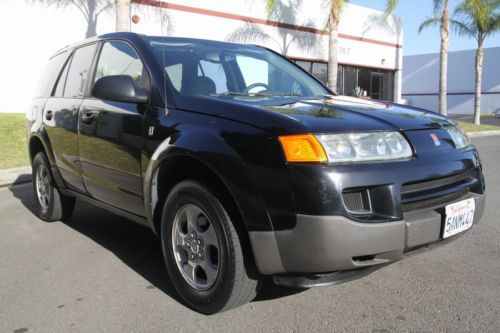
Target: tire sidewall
(214,298)
(44,213)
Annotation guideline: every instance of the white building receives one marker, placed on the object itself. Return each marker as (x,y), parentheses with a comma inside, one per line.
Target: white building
(421,81)
(370,53)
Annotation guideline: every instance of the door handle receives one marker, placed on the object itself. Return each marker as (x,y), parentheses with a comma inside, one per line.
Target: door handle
(49,114)
(89,116)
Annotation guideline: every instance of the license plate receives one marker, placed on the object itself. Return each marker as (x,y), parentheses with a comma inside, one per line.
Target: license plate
(459,217)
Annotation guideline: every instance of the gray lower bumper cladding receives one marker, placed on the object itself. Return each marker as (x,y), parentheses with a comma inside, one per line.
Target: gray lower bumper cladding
(324,250)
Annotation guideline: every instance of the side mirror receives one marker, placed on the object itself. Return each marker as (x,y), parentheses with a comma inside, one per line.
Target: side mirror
(119,88)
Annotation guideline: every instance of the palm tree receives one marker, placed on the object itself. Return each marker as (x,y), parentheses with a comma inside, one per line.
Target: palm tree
(334,12)
(122,15)
(90,9)
(335,9)
(252,33)
(441,17)
(478,19)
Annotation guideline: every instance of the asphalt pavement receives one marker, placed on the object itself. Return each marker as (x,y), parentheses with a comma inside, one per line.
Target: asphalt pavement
(101,273)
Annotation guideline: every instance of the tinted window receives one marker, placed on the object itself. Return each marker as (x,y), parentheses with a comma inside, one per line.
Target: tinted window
(215,72)
(50,75)
(119,58)
(175,74)
(62,81)
(218,69)
(78,71)
(254,70)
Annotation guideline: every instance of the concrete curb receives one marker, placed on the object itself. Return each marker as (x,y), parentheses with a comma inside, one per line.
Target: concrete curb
(483,134)
(15,176)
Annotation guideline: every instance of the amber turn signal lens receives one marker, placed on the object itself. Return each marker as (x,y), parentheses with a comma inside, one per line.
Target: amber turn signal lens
(303,148)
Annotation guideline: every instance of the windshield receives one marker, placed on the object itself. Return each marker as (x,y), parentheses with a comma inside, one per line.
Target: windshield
(217,69)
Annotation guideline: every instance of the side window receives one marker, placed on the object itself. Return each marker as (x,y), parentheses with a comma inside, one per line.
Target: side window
(78,71)
(62,80)
(175,75)
(253,70)
(119,58)
(215,72)
(50,74)
(265,76)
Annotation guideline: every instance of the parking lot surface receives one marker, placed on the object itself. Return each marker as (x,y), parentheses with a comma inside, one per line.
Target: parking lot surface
(101,273)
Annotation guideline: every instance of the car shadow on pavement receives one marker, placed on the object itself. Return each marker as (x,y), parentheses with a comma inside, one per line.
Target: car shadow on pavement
(135,245)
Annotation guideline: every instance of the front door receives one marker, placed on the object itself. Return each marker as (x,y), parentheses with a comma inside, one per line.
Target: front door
(110,134)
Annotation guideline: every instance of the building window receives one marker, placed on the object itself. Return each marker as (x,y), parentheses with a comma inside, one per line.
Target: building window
(320,71)
(371,83)
(368,82)
(306,65)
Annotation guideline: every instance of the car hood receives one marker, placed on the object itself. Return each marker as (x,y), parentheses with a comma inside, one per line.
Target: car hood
(332,114)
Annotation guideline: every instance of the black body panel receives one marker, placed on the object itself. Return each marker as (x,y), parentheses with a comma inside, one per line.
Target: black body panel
(60,118)
(121,150)
(110,140)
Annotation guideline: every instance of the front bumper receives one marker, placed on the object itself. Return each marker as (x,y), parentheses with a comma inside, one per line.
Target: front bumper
(321,244)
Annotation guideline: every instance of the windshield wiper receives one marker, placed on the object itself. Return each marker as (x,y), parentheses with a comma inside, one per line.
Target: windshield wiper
(235,93)
(259,94)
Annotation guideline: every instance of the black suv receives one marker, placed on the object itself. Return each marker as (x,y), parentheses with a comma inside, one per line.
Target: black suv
(244,164)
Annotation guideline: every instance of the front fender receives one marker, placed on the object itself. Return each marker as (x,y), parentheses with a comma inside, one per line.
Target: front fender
(221,159)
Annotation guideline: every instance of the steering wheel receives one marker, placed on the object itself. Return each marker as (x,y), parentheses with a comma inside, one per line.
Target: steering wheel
(255,85)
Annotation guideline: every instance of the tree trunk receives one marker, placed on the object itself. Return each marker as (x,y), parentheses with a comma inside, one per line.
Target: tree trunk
(91,28)
(92,19)
(122,15)
(443,58)
(479,79)
(333,46)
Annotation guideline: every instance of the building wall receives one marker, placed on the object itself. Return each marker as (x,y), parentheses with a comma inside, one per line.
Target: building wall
(32,32)
(298,30)
(421,81)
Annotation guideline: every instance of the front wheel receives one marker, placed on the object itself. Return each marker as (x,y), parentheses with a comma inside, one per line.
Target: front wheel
(50,203)
(203,252)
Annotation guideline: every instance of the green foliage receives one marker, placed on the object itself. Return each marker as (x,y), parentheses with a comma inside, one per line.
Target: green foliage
(477,19)
(468,127)
(13,146)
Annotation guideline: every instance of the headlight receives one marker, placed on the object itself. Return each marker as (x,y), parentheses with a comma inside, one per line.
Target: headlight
(355,147)
(460,139)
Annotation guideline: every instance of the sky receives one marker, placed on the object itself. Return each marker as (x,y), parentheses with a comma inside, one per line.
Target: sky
(414,12)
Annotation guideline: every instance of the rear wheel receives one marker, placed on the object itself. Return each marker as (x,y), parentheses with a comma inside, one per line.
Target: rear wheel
(203,252)
(50,203)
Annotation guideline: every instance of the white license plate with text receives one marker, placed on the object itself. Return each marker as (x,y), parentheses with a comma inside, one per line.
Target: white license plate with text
(459,217)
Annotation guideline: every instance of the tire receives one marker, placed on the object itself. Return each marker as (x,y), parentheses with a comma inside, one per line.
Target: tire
(50,203)
(215,280)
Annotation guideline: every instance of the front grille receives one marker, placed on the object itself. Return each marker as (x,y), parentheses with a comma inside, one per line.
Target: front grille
(434,184)
(418,195)
(357,202)
(438,201)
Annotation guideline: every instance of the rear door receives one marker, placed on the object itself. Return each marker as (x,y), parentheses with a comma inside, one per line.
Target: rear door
(111,134)
(61,115)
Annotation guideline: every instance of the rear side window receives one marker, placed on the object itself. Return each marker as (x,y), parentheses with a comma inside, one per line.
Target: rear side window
(59,92)
(78,71)
(119,58)
(50,74)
